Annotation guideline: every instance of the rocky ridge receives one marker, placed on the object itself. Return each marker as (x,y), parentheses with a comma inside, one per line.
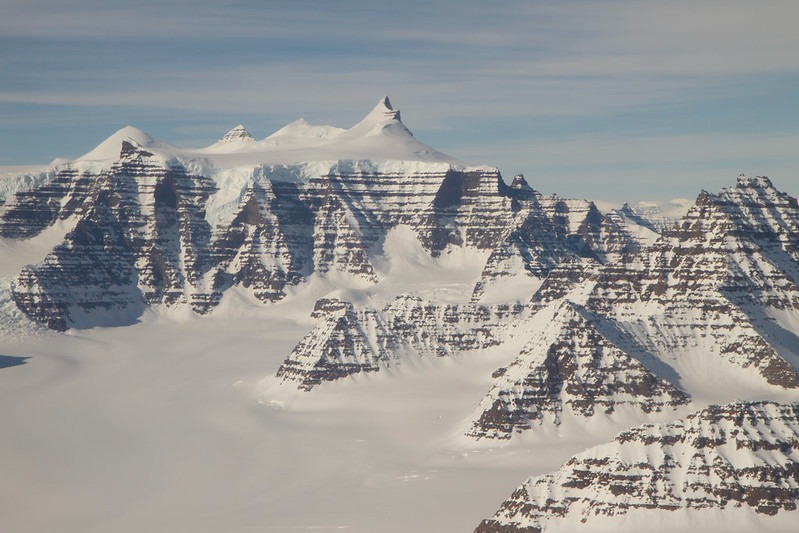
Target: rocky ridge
(714,282)
(547,232)
(613,318)
(153,226)
(569,368)
(742,454)
(623,336)
(352,340)
(148,230)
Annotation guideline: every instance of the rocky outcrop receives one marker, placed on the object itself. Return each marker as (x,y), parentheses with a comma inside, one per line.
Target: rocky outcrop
(350,339)
(31,210)
(586,230)
(267,247)
(571,369)
(546,233)
(140,238)
(237,135)
(714,281)
(742,454)
(571,276)
(672,305)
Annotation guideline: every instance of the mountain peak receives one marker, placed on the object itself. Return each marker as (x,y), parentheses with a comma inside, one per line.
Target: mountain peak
(758,182)
(383,111)
(520,183)
(237,134)
(384,106)
(382,118)
(110,148)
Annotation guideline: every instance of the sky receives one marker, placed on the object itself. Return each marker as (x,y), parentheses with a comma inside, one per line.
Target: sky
(600,99)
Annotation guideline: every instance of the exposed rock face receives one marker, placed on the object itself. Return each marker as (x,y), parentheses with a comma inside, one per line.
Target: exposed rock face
(548,231)
(586,230)
(237,135)
(140,238)
(266,247)
(669,302)
(569,368)
(31,210)
(350,340)
(168,251)
(143,235)
(712,282)
(737,455)
(563,280)
(531,249)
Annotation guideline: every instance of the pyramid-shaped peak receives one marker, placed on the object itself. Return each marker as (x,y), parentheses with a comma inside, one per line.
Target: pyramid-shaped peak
(569,367)
(237,134)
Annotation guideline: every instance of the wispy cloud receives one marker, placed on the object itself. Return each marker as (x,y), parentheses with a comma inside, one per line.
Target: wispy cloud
(543,58)
(629,168)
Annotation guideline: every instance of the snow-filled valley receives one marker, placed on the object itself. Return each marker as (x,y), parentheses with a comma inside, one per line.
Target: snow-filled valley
(345,329)
(176,424)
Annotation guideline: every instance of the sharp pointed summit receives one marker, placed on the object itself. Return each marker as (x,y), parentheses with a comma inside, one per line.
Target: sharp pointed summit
(384,107)
(383,118)
(520,183)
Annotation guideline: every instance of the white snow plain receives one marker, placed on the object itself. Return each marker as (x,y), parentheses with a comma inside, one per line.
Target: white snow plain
(169,425)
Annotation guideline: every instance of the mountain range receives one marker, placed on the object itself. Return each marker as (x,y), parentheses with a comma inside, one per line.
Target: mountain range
(676,326)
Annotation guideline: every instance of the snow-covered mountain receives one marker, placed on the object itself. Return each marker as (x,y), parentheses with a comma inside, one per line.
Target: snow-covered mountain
(386,255)
(728,457)
(152,224)
(713,296)
(569,370)
(646,220)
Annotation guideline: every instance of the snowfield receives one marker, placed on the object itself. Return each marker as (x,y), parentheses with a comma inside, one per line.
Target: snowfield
(168,426)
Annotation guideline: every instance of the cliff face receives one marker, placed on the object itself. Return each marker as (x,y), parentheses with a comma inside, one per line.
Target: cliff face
(142,234)
(547,233)
(706,297)
(351,340)
(719,282)
(139,238)
(570,368)
(737,455)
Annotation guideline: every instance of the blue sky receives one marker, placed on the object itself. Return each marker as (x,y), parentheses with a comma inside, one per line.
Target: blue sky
(610,100)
